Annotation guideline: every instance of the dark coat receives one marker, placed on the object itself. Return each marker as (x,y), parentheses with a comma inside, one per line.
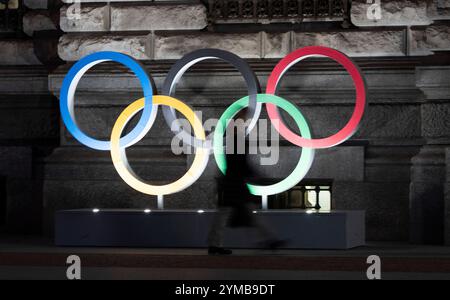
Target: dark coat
(235,191)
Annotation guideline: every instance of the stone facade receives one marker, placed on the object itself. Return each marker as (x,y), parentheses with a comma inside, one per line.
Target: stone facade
(447,199)
(396,167)
(406,21)
(393,13)
(29,117)
(29,122)
(428,174)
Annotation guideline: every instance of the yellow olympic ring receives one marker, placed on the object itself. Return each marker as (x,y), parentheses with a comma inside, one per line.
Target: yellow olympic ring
(120,160)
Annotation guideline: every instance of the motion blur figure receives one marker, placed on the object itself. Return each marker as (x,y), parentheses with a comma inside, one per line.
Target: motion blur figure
(236,209)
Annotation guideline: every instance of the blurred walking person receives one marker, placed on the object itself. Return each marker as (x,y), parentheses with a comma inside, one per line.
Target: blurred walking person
(236,209)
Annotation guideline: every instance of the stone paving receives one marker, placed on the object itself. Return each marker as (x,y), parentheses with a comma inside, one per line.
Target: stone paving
(36,257)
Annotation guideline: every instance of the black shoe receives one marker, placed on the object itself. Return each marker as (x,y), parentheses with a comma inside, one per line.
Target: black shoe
(275,244)
(219,251)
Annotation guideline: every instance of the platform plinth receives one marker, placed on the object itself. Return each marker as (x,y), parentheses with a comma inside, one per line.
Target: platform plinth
(189,229)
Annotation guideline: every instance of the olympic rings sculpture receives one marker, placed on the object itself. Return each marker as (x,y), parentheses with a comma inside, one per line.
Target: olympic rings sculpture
(204,147)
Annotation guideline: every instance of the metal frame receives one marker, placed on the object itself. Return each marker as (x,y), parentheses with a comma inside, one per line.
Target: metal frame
(313,186)
(290,11)
(302,187)
(11,19)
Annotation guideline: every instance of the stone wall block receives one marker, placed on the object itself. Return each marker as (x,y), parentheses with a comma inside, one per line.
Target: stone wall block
(158,17)
(393,13)
(88,18)
(425,40)
(18,52)
(36,4)
(37,20)
(276,45)
(174,46)
(72,47)
(439,10)
(357,43)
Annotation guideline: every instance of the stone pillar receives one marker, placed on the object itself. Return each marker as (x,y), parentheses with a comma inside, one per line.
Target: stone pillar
(29,122)
(429,168)
(28,117)
(447,200)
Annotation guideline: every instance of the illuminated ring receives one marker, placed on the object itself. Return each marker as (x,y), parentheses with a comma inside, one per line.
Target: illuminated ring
(182,65)
(120,160)
(306,158)
(70,84)
(350,128)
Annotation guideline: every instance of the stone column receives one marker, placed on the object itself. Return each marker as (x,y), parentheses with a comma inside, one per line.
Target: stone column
(428,170)
(28,118)
(447,200)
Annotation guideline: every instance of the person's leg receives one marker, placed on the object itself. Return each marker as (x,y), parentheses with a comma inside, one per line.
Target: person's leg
(268,236)
(217,230)
(264,231)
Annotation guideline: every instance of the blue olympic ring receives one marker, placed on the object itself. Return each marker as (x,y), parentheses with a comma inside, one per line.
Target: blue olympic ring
(70,84)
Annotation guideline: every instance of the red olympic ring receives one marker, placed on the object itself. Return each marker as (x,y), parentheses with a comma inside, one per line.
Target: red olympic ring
(350,128)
